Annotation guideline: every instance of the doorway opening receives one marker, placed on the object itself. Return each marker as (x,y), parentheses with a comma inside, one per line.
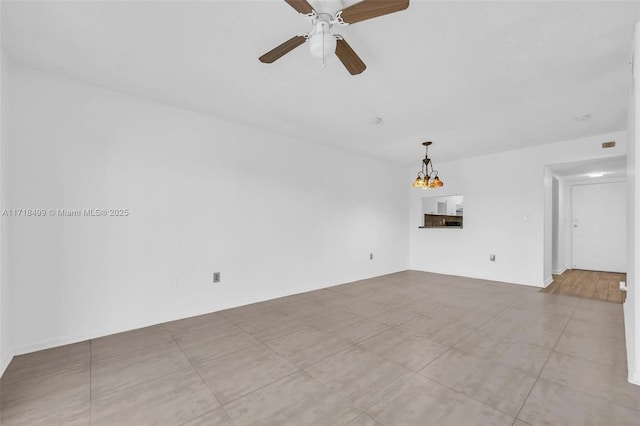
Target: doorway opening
(585,227)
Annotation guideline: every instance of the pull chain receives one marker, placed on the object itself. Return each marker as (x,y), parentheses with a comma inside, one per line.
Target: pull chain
(324,52)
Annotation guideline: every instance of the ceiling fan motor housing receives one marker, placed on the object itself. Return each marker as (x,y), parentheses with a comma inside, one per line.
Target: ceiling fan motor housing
(321,42)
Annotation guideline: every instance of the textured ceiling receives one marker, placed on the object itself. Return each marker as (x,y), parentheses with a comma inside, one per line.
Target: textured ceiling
(474,77)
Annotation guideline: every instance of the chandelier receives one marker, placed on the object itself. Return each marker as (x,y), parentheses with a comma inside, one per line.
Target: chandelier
(427,177)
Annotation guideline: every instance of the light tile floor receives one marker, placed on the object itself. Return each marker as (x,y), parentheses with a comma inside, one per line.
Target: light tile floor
(410,348)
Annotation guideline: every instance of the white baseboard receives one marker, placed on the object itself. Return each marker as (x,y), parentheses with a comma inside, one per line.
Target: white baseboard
(4,363)
(93,334)
(77,338)
(560,272)
(108,330)
(64,340)
(547,281)
(634,380)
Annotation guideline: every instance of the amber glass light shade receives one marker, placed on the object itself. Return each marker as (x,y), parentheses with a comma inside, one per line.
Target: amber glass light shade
(427,177)
(420,182)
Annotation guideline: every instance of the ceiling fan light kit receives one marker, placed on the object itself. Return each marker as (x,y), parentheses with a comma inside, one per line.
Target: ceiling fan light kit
(322,42)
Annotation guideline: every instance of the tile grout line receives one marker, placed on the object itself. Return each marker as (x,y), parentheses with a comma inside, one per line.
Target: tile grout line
(207,360)
(604,399)
(592,395)
(271,338)
(208,412)
(375,418)
(452,347)
(303,370)
(603,364)
(254,390)
(433,360)
(458,341)
(340,397)
(318,361)
(299,369)
(315,328)
(264,341)
(306,324)
(524,401)
(198,373)
(467,396)
(596,362)
(404,366)
(131,351)
(394,382)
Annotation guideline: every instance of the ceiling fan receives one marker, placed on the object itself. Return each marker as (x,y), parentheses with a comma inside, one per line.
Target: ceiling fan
(323,42)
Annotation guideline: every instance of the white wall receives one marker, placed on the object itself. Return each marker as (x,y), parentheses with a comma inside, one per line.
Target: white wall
(565,226)
(547,223)
(503,212)
(5,354)
(632,303)
(561,220)
(556,227)
(274,215)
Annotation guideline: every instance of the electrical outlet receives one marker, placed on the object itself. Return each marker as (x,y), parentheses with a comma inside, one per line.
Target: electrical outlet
(370,256)
(492,257)
(216,277)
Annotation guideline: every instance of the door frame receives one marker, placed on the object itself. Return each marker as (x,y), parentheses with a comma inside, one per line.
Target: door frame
(564,228)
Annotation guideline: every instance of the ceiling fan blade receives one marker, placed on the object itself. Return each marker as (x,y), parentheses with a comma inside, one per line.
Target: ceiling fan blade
(302,6)
(282,50)
(348,57)
(368,9)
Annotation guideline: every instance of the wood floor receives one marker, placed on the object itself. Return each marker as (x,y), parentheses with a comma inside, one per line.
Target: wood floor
(588,285)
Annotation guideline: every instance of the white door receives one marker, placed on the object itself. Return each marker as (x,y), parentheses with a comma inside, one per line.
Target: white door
(599,227)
